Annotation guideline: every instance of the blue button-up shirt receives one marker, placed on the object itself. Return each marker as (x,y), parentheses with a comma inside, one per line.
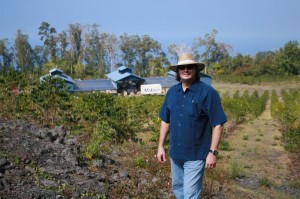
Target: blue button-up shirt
(192,114)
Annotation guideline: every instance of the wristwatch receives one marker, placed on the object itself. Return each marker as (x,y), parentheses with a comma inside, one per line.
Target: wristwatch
(214,152)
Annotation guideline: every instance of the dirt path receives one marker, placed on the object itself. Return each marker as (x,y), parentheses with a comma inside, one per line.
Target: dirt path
(258,162)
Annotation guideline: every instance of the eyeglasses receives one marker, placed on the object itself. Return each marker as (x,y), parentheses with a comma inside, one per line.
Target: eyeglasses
(188,67)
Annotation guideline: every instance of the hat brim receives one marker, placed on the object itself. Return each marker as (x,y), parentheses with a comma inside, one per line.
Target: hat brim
(199,66)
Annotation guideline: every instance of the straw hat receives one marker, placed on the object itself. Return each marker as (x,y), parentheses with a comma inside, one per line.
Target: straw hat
(187,59)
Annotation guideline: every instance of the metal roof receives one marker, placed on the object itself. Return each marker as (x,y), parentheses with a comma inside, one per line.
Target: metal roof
(165,82)
(122,73)
(93,85)
(55,70)
(62,76)
(123,68)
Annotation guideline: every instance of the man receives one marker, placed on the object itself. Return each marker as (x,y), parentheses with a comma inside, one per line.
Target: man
(193,115)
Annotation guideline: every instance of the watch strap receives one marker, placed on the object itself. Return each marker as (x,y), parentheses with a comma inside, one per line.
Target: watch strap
(214,152)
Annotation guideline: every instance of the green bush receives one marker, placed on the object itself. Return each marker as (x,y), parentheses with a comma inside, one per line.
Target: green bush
(139,162)
(239,108)
(286,112)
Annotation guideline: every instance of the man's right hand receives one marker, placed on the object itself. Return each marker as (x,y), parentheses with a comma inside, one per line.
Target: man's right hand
(161,155)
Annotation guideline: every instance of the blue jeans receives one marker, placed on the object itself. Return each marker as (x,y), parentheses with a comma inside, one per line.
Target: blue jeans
(187,177)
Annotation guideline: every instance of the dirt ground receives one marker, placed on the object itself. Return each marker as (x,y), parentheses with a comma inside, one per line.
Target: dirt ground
(257,159)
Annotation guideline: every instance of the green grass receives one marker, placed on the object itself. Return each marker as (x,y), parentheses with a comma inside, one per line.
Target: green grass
(235,170)
(276,137)
(225,146)
(245,137)
(265,182)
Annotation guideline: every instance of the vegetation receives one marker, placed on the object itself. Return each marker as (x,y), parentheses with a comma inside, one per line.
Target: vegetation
(82,51)
(251,80)
(101,120)
(286,112)
(104,120)
(98,118)
(239,108)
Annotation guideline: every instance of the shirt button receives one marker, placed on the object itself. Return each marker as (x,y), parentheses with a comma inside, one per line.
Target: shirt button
(179,125)
(180,115)
(182,105)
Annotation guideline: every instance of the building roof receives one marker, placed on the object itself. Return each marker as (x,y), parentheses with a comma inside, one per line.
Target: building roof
(55,70)
(165,82)
(122,73)
(66,78)
(93,85)
(123,69)
(62,76)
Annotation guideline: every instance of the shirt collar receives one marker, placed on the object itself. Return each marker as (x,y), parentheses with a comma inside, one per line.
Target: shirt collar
(192,88)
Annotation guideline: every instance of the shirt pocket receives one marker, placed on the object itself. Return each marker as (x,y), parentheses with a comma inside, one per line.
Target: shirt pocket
(198,111)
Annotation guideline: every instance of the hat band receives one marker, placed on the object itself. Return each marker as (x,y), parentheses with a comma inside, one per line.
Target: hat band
(186,62)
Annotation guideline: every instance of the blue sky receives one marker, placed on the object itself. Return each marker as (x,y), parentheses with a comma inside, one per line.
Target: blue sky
(249,26)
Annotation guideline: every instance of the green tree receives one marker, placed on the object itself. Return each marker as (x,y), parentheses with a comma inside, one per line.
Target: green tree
(288,58)
(145,47)
(63,52)
(94,52)
(6,56)
(48,35)
(157,65)
(224,65)
(111,44)
(63,43)
(246,65)
(24,52)
(173,50)
(237,61)
(264,64)
(213,51)
(128,46)
(247,61)
(40,58)
(75,37)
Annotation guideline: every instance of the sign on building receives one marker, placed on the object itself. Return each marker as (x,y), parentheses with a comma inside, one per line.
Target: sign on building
(151,89)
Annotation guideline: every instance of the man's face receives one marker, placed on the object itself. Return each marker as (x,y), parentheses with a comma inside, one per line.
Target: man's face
(187,72)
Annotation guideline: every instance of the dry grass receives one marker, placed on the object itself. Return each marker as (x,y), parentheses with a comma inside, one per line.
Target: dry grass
(260,162)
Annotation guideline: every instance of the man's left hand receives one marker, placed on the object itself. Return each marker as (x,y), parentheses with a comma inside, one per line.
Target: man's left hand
(211,161)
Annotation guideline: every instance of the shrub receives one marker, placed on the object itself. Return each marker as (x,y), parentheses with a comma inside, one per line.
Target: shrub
(235,170)
(139,162)
(265,182)
(245,137)
(286,112)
